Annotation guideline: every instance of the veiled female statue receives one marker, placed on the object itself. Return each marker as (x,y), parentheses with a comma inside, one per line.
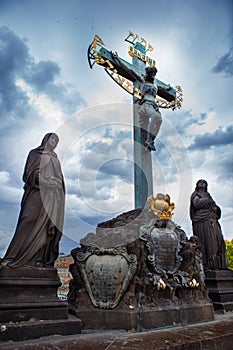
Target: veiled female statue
(40,223)
(205,214)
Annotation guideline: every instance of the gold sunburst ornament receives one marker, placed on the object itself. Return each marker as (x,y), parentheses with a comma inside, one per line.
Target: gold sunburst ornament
(161,206)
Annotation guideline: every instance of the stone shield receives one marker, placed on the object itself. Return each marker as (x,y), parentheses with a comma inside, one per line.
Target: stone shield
(165,246)
(106,273)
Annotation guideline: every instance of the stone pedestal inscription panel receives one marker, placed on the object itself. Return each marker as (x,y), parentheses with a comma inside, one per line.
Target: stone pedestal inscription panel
(106,274)
(165,244)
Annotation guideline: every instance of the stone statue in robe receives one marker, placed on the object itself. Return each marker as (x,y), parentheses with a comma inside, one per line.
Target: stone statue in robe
(205,214)
(40,223)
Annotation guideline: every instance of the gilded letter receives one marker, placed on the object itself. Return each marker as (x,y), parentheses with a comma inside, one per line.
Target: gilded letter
(138,93)
(128,86)
(110,66)
(130,51)
(150,48)
(120,79)
(143,42)
(99,60)
(98,40)
(143,57)
(131,34)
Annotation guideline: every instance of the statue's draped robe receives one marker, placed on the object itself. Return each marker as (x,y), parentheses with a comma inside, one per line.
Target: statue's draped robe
(40,223)
(204,214)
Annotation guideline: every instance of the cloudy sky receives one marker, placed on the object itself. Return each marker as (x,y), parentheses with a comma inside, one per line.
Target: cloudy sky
(46,85)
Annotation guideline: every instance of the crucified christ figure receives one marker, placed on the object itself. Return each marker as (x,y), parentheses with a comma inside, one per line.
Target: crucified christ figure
(149,114)
(150,117)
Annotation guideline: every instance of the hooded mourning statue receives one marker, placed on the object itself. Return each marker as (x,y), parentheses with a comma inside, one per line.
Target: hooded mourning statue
(40,224)
(205,214)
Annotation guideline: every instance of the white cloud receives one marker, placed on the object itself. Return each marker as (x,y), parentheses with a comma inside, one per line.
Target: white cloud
(4,177)
(211,123)
(46,108)
(8,194)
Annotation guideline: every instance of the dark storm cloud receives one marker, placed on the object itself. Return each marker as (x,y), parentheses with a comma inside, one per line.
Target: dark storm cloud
(19,115)
(109,160)
(14,58)
(42,73)
(42,78)
(219,137)
(118,167)
(225,64)
(68,98)
(16,63)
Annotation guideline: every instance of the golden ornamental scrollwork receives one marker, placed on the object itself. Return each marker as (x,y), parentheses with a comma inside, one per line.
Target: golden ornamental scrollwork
(161,206)
(97,53)
(175,104)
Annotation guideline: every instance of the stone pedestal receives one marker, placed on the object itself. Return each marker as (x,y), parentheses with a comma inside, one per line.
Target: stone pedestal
(144,318)
(36,329)
(220,286)
(30,293)
(136,273)
(29,301)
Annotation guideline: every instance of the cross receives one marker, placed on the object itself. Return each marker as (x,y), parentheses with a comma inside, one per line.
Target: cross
(138,79)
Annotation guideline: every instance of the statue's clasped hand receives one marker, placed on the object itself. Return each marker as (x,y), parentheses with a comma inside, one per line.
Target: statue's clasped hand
(54,184)
(51,183)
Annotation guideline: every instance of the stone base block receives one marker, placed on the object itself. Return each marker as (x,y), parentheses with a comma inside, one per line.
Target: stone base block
(28,293)
(220,286)
(36,329)
(179,315)
(144,318)
(211,335)
(223,307)
(18,312)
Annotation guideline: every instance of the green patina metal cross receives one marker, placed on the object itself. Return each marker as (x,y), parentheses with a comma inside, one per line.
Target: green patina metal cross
(139,80)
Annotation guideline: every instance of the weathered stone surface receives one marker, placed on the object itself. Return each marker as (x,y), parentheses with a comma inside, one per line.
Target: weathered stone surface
(30,293)
(220,287)
(166,287)
(166,245)
(106,273)
(205,215)
(29,305)
(35,329)
(216,335)
(118,231)
(169,314)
